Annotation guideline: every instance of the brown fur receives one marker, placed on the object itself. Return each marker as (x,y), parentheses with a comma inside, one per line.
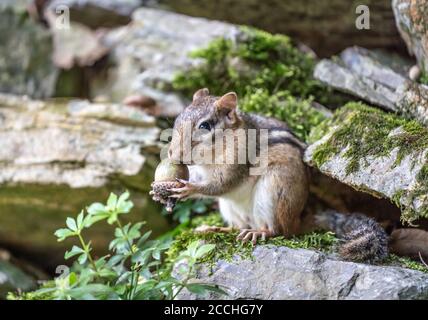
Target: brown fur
(286,173)
(282,188)
(290,185)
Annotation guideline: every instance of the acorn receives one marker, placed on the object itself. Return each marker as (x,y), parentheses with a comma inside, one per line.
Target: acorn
(166,176)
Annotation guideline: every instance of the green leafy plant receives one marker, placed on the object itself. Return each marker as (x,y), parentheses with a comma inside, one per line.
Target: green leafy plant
(185,210)
(133,269)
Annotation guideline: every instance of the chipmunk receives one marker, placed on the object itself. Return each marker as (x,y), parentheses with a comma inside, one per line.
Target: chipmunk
(260,205)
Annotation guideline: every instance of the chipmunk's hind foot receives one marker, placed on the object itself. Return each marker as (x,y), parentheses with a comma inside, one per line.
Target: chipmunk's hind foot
(253,235)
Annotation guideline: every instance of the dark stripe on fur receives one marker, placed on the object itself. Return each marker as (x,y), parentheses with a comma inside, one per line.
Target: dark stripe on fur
(281,136)
(361,237)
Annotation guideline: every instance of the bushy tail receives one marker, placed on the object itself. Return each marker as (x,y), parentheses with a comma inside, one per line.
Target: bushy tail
(361,238)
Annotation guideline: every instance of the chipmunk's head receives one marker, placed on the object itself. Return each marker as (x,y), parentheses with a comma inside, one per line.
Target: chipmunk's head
(196,126)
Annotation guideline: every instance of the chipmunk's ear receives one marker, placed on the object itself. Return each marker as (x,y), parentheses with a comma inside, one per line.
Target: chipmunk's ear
(227,104)
(201,93)
(229,101)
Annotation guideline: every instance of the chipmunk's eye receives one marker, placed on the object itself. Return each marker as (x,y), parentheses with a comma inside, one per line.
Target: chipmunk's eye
(205,125)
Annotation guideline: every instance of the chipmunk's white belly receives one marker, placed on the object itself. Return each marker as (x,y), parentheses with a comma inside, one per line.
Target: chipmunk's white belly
(250,205)
(247,207)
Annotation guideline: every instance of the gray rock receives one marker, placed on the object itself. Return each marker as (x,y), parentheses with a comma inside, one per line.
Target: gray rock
(76,46)
(394,175)
(326,26)
(25,53)
(412,22)
(70,143)
(146,55)
(58,157)
(380,176)
(377,79)
(283,273)
(340,77)
(97,13)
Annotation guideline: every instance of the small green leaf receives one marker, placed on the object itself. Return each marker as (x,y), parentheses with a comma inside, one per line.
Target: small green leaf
(156,255)
(97,209)
(123,205)
(115,260)
(196,288)
(118,233)
(193,246)
(72,278)
(134,232)
(124,277)
(80,220)
(82,258)
(144,238)
(112,218)
(204,250)
(63,234)
(111,202)
(202,288)
(71,224)
(141,256)
(75,250)
(91,219)
(123,197)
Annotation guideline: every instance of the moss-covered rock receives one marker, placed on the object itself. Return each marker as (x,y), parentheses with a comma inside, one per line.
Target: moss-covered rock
(376,152)
(227,247)
(255,59)
(269,73)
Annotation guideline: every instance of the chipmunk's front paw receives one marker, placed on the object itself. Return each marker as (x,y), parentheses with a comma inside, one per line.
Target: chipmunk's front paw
(253,235)
(186,190)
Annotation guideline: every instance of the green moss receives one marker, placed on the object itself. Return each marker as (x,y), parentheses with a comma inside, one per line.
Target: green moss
(212,219)
(364,131)
(33,295)
(227,246)
(270,75)
(298,114)
(405,263)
